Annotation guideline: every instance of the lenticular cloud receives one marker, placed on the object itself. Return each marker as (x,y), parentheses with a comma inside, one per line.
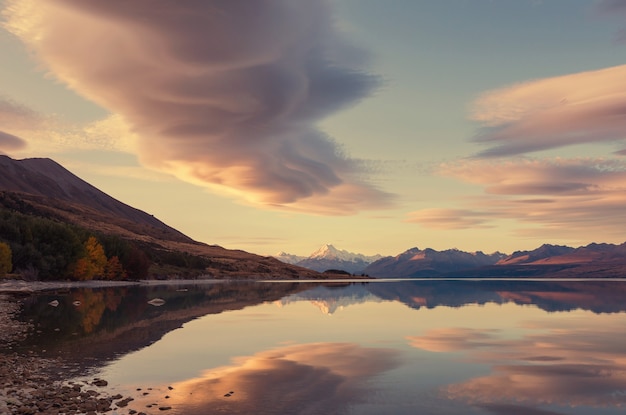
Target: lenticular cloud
(223,93)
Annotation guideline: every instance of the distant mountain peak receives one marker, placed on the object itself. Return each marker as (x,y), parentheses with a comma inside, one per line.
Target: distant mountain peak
(288,258)
(329,257)
(329,251)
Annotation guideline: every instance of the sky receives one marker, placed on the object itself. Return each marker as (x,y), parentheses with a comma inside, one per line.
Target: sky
(375,126)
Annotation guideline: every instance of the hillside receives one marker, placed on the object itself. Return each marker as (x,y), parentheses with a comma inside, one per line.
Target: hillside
(41,194)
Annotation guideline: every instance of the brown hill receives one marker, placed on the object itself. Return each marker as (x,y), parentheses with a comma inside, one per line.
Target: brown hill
(42,187)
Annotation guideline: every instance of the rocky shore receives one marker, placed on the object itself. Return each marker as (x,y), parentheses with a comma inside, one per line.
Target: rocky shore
(26,389)
(28,386)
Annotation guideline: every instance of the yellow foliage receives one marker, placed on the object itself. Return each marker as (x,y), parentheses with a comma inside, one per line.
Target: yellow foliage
(114,269)
(93,263)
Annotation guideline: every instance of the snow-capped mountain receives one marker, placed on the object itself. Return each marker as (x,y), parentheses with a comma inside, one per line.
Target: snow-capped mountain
(328,257)
(288,258)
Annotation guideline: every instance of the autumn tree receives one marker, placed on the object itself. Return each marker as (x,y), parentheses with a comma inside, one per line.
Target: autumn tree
(92,264)
(114,269)
(6,264)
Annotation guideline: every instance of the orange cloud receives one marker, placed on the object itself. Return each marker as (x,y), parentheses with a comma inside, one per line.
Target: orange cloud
(221,94)
(307,378)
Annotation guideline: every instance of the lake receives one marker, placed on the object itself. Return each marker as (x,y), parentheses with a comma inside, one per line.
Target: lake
(385,347)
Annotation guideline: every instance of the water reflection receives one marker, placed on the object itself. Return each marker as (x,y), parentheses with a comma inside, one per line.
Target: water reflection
(88,324)
(322,378)
(597,296)
(432,347)
(578,364)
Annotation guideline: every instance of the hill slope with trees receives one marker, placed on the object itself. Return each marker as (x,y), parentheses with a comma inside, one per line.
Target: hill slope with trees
(57,226)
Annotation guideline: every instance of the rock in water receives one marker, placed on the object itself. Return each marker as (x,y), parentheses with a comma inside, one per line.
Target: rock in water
(157,302)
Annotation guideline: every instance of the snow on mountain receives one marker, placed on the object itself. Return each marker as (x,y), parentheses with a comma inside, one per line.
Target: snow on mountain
(288,258)
(330,252)
(328,257)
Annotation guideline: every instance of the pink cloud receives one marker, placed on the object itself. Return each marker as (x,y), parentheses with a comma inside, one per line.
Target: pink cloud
(307,378)
(14,119)
(586,107)
(10,142)
(224,94)
(569,198)
(578,365)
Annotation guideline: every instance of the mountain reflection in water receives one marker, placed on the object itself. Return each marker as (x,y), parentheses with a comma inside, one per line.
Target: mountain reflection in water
(431,347)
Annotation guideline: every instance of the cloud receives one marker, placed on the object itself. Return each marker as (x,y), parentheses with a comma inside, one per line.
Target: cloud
(223,94)
(575,365)
(579,198)
(611,6)
(307,378)
(25,129)
(586,107)
(440,218)
(10,142)
(16,115)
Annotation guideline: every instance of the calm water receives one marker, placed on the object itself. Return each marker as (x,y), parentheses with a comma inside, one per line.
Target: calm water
(419,347)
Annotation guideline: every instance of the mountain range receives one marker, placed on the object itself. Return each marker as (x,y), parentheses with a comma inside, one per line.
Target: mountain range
(593,260)
(327,257)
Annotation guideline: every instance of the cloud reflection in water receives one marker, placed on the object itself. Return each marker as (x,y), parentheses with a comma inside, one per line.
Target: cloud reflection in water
(554,365)
(303,379)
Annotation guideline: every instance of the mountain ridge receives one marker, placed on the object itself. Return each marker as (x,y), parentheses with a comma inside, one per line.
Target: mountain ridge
(557,261)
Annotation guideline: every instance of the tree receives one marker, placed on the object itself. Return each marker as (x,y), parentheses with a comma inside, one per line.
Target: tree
(137,264)
(114,269)
(93,262)
(6,264)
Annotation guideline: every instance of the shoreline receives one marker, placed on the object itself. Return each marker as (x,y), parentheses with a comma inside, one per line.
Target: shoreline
(26,382)
(31,384)
(17,287)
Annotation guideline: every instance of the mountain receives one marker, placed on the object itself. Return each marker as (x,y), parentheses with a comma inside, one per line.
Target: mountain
(555,254)
(327,257)
(42,180)
(46,194)
(554,261)
(428,262)
(288,258)
(544,253)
